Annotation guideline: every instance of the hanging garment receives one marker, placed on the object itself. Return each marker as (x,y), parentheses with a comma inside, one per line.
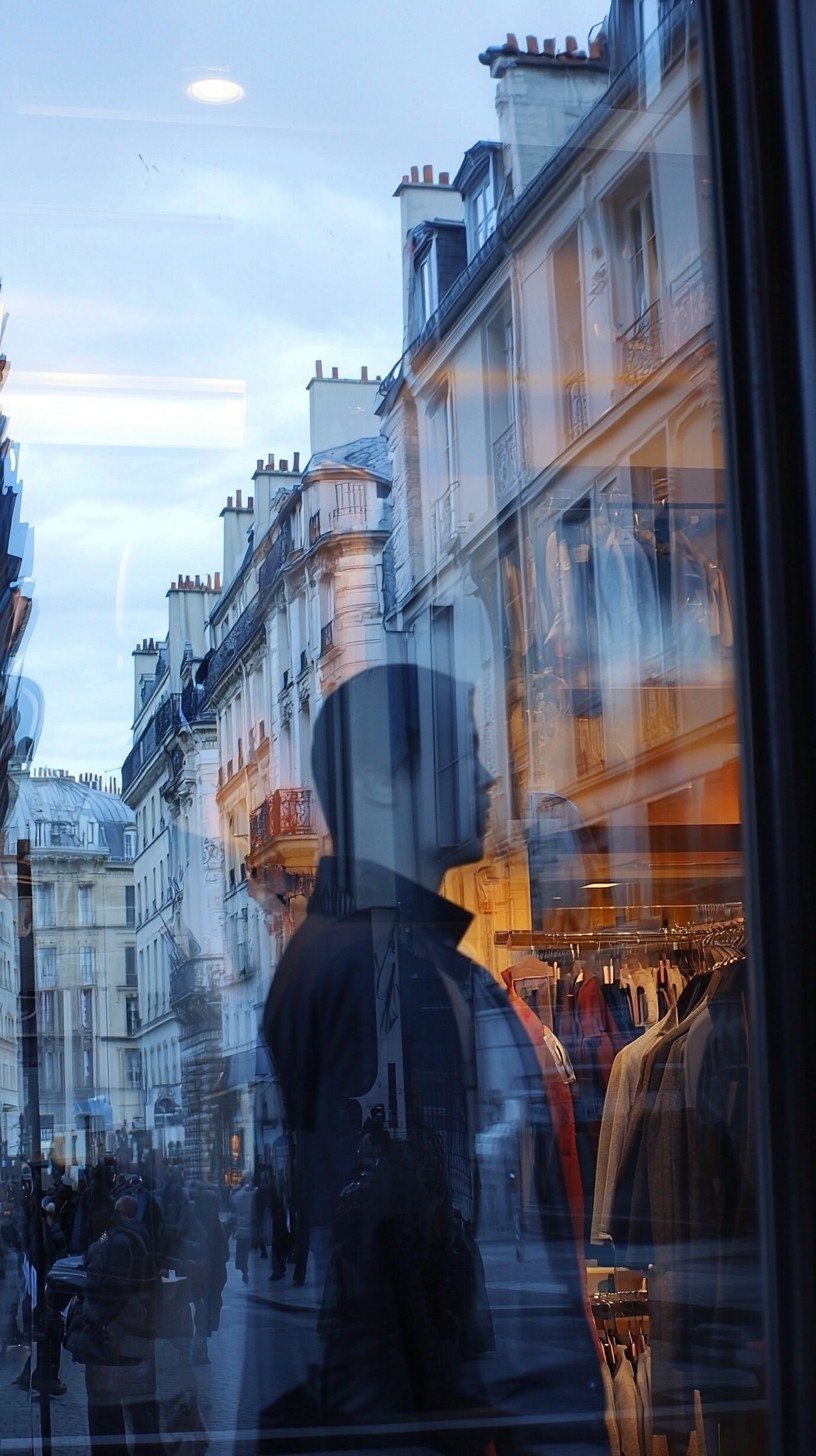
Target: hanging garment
(641,983)
(643,1381)
(610,1415)
(617,1109)
(626,1404)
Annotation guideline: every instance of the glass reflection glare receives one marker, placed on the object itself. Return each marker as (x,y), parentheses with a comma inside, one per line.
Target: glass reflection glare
(216,91)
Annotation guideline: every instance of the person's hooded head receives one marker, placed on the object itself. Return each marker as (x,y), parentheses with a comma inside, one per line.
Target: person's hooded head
(396,767)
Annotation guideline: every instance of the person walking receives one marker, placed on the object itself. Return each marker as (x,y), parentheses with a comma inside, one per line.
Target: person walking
(242,1203)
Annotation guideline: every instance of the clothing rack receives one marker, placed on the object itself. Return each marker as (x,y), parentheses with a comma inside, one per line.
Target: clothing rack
(722,934)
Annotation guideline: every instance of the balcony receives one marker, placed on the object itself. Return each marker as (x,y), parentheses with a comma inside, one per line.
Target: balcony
(326,638)
(249,623)
(444,524)
(314,529)
(276,558)
(505,462)
(642,347)
(575,398)
(165,721)
(282,830)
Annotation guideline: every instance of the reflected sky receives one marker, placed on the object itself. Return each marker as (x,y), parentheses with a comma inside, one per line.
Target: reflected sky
(145,235)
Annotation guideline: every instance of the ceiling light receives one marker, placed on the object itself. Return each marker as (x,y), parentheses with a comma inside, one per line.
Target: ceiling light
(215,91)
(602,885)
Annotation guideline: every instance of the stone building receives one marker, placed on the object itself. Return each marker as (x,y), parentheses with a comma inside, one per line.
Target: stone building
(83,843)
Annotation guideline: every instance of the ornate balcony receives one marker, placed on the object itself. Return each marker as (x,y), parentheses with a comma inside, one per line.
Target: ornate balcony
(282,831)
(505,462)
(642,346)
(165,721)
(576,406)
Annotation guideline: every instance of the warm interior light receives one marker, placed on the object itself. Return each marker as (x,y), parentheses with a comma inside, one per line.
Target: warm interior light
(602,885)
(215,91)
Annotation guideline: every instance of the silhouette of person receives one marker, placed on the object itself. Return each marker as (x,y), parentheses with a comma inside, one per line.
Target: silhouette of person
(394,1052)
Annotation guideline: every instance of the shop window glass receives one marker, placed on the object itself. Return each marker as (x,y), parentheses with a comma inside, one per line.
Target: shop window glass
(436,996)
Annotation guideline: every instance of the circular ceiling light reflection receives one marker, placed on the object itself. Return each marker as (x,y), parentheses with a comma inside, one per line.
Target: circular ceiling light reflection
(216,91)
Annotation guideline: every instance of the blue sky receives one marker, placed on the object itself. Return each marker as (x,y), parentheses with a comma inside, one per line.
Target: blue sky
(144,235)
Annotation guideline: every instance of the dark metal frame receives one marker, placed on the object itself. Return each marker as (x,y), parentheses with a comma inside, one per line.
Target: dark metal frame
(760,59)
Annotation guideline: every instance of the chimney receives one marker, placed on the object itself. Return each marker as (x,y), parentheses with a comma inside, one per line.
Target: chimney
(427,174)
(218,581)
(229,502)
(259,464)
(415,174)
(318,368)
(539,105)
(238,500)
(270,464)
(532,45)
(364,373)
(296,462)
(335,372)
(444,179)
(250,503)
(284,465)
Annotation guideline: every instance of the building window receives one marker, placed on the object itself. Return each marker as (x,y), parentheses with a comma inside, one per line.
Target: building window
(9,1026)
(87,965)
(130,907)
(45,909)
(46,1011)
(130,966)
(130,844)
(47,965)
(426,291)
(501,401)
(569,315)
(40,834)
(133,1066)
(86,905)
(91,833)
(87,1067)
(636,279)
(86,1010)
(481,212)
(132,1015)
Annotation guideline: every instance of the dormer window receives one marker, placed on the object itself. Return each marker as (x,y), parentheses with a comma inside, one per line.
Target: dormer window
(426,290)
(481,213)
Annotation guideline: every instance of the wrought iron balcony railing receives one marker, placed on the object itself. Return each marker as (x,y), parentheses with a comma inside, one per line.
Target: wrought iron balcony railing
(286,812)
(642,346)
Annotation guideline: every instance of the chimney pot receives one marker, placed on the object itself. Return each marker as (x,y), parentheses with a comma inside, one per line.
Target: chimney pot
(335,372)
(229,502)
(415,174)
(296,462)
(144,644)
(284,465)
(188,584)
(318,368)
(427,173)
(405,177)
(238,500)
(549,47)
(250,502)
(444,179)
(259,464)
(218,581)
(270,464)
(512,43)
(364,373)
(198,581)
(572,44)
(532,45)
(172,586)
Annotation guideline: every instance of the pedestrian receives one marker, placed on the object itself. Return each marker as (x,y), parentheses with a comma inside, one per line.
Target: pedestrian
(242,1203)
(215,1250)
(112,1332)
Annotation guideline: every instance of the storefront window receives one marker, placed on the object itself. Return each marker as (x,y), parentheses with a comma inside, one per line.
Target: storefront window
(377,1026)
